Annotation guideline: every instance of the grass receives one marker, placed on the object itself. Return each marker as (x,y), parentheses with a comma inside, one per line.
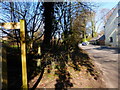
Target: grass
(14,46)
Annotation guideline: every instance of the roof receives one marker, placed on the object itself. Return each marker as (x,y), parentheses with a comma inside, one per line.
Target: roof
(102,37)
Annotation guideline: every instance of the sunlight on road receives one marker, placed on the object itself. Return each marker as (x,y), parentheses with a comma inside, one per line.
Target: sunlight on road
(107,59)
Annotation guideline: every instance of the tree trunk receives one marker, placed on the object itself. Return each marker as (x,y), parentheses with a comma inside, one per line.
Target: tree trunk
(93,28)
(48,20)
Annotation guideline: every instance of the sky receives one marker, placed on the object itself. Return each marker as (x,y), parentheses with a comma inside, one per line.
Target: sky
(102,5)
(108,5)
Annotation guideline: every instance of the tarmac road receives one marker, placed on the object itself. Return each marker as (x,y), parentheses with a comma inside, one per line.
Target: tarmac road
(107,59)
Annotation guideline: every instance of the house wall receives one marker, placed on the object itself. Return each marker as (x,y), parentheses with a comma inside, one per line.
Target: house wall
(111,29)
(118,38)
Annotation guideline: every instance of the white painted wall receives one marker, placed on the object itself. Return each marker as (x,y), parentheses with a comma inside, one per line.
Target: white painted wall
(111,29)
(118,39)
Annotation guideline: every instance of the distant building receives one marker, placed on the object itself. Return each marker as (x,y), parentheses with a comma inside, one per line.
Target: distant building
(101,40)
(112,27)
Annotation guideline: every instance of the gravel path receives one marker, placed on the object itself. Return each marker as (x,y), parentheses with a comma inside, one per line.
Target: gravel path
(107,59)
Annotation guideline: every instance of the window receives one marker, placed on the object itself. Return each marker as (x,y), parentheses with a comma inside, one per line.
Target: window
(118,12)
(111,39)
(118,24)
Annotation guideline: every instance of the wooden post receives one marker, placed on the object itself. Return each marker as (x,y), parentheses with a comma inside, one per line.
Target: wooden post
(39,53)
(23,54)
(0,64)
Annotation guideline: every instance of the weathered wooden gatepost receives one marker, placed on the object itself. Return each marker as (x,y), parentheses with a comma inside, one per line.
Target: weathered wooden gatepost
(23,54)
(20,25)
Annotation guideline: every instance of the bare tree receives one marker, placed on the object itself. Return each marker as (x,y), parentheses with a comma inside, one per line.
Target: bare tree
(30,11)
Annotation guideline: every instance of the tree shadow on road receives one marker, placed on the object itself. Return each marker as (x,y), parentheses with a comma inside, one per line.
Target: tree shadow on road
(105,48)
(62,57)
(80,58)
(63,81)
(75,58)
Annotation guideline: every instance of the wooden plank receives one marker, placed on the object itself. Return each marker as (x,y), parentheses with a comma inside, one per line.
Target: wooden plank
(0,65)
(23,54)
(11,25)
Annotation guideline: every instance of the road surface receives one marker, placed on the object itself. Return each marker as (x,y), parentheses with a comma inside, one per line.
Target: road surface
(107,59)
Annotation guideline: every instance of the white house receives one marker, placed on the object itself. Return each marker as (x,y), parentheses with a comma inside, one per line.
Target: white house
(112,27)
